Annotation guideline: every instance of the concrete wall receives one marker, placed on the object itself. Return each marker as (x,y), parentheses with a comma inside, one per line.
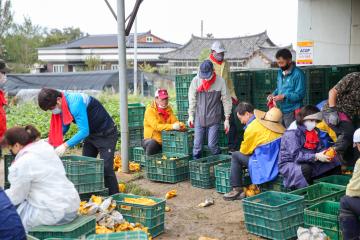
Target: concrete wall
(334,26)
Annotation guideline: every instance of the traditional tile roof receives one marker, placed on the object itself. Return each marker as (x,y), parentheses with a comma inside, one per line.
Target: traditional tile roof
(270,52)
(237,47)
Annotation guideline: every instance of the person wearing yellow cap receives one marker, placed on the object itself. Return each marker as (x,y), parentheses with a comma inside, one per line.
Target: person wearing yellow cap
(259,150)
(159,117)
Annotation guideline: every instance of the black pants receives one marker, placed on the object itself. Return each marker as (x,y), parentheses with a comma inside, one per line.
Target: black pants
(233,136)
(104,144)
(151,147)
(307,169)
(344,132)
(349,217)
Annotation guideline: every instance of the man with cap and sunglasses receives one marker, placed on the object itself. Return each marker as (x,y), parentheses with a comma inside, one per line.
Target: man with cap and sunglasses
(222,69)
(350,203)
(159,117)
(259,150)
(4,69)
(208,95)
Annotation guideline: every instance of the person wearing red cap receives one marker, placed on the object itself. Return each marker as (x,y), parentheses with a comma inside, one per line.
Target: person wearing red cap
(159,117)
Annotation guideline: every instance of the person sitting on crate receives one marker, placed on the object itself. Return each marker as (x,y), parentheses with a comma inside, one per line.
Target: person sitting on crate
(342,106)
(159,117)
(350,203)
(303,156)
(291,88)
(222,69)
(38,183)
(10,222)
(95,127)
(259,150)
(207,95)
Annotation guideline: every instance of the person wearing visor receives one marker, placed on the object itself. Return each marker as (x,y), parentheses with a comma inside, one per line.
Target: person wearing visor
(303,157)
(159,117)
(208,95)
(222,69)
(4,69)
(96,128)
(350,203)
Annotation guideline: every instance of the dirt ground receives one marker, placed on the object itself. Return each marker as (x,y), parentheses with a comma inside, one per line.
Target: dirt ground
(186,221)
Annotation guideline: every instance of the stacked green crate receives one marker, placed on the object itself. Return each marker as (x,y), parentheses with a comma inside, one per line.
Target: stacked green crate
(335,73)
(139,155)
(264,83)
(324,215)
(222,177)
(342,180)
(182,85)
(178,142)
(275,185)
(136,112)
(81,227)
(315,84)
(274,215)
(242,84)
(152,217)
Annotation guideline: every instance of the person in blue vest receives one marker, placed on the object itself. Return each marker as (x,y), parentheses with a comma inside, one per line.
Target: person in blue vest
(11,227)
(291,87)
(259,150)
(96,129)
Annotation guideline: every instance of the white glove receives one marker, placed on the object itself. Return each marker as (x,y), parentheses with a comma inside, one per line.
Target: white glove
(226,125)
(191,121)
(320,156)
(176,126)
(60,150)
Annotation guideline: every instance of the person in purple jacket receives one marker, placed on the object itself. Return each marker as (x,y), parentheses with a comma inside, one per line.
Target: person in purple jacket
(302,155)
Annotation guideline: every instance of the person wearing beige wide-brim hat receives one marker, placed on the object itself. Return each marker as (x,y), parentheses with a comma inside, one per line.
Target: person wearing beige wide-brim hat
(259,150)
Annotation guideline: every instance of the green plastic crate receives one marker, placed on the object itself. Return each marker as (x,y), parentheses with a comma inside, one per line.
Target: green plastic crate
(207,153)
(8,159)
(183,116)
(182,105)
(342,180)
(264,80)
(182,94)
(152,217)
(182,85)
(320,192)
(202,173)
(136,113)
(136,135)
(324,215)
(102,192)
(139,155)
(275,185)
(178,142)
(28,237)
(242,84)
(222,177)
(82,226)
(86,173)
(128,235)
(166,170)
(274,215)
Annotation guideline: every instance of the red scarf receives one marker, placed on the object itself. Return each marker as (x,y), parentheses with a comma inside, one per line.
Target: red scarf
(212,58)
(206,84)
(311,139)
(163,113)
(2,98)
(56,137)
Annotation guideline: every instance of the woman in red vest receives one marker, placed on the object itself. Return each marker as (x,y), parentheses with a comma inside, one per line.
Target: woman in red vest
(3,70)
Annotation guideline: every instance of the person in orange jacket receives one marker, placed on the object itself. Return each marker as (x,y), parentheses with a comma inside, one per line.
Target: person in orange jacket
(4,69)
(159,117)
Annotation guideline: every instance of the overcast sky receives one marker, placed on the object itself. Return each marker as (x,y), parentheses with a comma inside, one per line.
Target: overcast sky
(173,20)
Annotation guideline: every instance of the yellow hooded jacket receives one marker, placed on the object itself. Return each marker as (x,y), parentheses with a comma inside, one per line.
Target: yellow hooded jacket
(154,124)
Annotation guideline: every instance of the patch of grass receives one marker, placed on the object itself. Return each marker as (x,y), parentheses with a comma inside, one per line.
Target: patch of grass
(135,189)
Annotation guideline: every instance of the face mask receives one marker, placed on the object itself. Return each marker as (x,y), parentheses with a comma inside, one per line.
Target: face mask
(56,111)
(219,57)
(310,125)
(286,67)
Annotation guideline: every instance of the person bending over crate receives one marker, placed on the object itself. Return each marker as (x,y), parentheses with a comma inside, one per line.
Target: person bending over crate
(303,156)
(207,95)
(159,117)
(38,183)
(258,151)
(350,203)
(95,127)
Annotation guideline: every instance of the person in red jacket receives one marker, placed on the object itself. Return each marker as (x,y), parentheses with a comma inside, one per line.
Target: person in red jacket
(4,69)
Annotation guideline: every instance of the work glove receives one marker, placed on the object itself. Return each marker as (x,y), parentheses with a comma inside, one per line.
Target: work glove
(60,150)
(331,116)
(176,126)
(320,156)
(191,122)
(227,126)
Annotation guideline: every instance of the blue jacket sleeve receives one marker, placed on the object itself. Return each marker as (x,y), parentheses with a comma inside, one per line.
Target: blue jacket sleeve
(300,88)
(78,110)
(291,149)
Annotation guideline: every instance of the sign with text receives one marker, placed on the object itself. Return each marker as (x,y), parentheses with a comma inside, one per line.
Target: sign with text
(305,53)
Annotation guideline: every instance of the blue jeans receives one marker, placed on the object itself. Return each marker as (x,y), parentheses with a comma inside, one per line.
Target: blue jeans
(349,217)
(238,162)
(213,139)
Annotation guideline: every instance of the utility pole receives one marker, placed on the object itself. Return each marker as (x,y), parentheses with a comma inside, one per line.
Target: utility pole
(135,58)
(123,86)
(202,28)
